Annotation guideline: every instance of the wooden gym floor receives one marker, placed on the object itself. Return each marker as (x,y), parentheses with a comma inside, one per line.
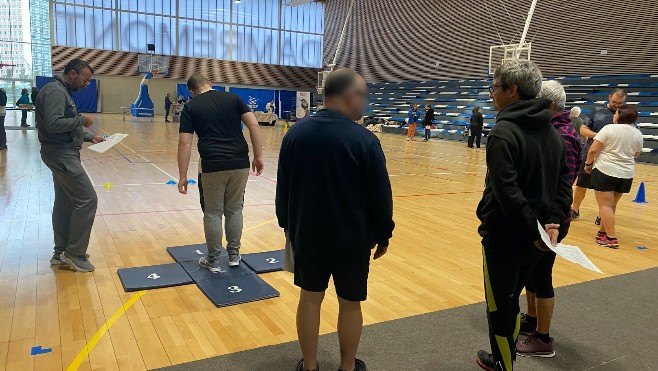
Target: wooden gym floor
(434,262)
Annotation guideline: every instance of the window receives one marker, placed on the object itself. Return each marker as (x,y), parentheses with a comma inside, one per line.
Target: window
(249,31)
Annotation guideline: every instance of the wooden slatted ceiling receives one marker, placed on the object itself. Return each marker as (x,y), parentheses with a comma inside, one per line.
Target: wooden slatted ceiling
(402,40)
(114,63)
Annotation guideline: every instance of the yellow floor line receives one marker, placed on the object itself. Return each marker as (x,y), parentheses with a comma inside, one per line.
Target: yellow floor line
(82,355)
(77,361)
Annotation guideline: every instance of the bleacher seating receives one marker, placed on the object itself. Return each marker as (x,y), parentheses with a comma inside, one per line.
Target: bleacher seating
(453,101)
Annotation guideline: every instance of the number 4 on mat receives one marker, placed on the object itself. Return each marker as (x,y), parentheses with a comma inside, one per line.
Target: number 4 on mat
(153,276)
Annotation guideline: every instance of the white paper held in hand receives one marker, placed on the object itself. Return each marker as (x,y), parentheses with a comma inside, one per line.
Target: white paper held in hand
(109,142)
(571,253)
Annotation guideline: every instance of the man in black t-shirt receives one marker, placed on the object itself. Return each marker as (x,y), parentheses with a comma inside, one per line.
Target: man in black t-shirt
(215,117)
(597,120)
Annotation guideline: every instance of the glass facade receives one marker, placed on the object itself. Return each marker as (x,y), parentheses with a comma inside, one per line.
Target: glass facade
(258,31)
(24,45)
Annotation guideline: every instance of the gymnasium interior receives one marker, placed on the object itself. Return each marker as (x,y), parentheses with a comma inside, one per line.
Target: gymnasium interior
(426,306)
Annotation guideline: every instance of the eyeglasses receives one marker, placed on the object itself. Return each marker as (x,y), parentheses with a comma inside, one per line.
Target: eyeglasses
(492,88)
(87,81)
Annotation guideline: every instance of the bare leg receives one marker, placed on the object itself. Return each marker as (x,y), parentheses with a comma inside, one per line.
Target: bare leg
(606,201)
(544,314)
(578,196)
(308,326)
(532,307)
(350,324)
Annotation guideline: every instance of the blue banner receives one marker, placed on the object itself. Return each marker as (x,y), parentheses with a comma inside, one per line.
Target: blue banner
(256,99)
(181,91)
(86,99)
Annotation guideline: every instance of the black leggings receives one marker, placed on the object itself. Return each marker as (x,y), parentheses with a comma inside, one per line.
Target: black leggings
(3,133)
(476,134)
(506,271)
(540,282)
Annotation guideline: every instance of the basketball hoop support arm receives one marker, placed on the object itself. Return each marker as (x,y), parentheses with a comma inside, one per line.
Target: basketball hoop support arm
(342,35)
(525,29)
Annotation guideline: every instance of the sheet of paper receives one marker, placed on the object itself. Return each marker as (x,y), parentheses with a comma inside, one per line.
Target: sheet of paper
(571,253)
(109,142)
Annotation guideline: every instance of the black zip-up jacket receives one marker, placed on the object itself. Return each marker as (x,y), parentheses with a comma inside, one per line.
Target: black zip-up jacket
(429,117)
(528,179)
(333,194)
(477,120)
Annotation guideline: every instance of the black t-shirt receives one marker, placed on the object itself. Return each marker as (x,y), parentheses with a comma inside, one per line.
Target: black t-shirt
(215,117)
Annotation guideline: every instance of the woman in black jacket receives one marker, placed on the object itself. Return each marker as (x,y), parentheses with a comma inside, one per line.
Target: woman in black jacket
(475,127)
(427,122)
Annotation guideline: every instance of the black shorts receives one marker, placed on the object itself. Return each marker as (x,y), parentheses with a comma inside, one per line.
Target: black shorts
(606,183)
(350,276)
(584,179)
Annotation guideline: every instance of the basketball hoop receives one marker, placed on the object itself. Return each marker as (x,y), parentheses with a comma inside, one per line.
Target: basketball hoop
(154,72)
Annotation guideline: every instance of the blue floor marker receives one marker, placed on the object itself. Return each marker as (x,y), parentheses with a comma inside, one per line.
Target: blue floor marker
(642,248)
(153,277)
(189,253)
(39,350)
(227,291)
(265,262)
(202,274)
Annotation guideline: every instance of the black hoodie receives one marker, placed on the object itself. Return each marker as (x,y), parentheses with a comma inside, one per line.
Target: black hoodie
(527,176)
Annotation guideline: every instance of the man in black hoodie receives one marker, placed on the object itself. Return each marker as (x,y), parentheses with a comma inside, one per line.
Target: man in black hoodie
(528,181)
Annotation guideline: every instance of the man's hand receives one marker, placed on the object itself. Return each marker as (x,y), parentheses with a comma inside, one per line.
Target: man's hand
(97,139)
(257,166)
(182,185)
(381,251)
(88,121)
(553,231)
(588,169)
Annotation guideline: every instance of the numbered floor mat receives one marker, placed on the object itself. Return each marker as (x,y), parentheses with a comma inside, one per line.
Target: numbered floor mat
(202,274)
(153,277)
(265,262)
(225,291)
(189,252)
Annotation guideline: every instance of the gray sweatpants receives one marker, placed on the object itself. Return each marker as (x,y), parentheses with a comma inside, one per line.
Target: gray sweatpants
(75,203)
(223,195)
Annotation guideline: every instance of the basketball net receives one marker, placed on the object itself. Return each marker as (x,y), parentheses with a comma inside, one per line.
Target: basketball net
(154,72)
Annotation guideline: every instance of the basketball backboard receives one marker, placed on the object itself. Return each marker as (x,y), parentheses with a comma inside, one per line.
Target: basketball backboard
(149,63)
(499,54)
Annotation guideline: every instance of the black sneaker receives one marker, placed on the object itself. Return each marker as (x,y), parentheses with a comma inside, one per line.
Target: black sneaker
(598,220)
(57,259)
(359,365)
(485,360)
(300,366)
(575,214)
(526,328)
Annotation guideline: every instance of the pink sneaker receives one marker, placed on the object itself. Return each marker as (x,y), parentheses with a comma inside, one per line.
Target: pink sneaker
(601,239)
(533,347)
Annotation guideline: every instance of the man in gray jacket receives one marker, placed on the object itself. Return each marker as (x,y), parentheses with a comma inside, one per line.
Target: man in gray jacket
(61,136)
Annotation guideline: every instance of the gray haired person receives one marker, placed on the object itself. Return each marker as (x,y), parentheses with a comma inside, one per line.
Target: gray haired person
(527,182)
(61,135)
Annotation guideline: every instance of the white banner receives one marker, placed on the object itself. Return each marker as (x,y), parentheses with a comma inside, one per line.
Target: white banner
(303,104)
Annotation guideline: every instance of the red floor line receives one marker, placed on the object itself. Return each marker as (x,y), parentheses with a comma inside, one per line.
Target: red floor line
(437,194)
(167,211)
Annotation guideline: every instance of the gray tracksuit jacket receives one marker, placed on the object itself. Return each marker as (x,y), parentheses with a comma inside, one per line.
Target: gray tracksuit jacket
(59,124)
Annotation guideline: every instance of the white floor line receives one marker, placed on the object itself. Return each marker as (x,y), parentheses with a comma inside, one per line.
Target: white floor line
(142,157)
(88,174)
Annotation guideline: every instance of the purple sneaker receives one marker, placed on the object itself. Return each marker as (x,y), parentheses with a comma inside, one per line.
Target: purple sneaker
(533,347)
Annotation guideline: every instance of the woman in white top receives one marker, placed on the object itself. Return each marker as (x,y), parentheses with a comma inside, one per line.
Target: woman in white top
(611,161)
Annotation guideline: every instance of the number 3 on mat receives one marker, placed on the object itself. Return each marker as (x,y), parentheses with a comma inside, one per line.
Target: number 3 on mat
(234,289)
